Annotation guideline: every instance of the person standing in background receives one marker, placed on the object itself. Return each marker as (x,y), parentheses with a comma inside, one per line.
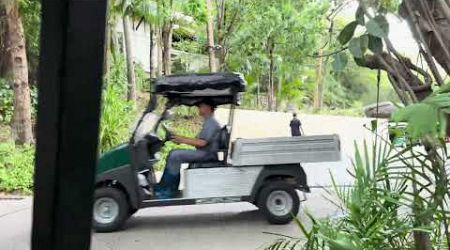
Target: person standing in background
(296,126)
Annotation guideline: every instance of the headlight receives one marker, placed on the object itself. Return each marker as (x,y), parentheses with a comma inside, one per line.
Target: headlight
(157,156)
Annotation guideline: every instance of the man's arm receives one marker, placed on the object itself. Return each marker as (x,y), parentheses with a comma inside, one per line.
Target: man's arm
(198,143)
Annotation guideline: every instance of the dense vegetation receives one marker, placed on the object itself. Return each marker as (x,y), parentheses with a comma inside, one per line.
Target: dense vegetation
(292,53)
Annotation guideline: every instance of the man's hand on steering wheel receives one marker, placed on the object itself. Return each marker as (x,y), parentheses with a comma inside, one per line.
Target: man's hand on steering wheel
(169,135)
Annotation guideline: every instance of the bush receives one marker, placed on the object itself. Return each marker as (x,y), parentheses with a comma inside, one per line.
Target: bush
(372,210)
(6,102)
(16,168)
(117,113)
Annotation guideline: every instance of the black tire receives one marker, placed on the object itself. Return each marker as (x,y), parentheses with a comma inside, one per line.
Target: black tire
(117,200)
(131,212)
(282,193)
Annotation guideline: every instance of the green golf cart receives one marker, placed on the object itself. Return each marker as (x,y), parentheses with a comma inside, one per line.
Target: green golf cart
(264,172)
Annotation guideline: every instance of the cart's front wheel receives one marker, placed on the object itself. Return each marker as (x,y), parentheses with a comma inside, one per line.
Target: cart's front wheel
(279,202)
(110,209)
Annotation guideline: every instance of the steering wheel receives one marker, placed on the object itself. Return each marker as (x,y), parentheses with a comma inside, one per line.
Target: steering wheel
(169,134)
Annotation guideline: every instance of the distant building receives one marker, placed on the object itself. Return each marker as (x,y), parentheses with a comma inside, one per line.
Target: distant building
(181,61)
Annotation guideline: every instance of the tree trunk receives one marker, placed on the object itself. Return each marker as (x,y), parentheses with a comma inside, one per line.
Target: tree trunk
(258,92)
(221,32)
(430,24)
(210,33)
(153,52)
(108,36)
(167,31)
(278,99)
(271,78)
(16,70)
(318,93)
(131,94)
(107,53)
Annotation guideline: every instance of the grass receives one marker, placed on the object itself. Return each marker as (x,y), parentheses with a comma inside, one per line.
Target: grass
(16,168)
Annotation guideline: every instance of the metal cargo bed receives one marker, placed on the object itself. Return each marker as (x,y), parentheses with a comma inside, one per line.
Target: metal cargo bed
(286,150)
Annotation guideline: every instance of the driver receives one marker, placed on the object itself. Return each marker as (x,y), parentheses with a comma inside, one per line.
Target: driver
(206,144)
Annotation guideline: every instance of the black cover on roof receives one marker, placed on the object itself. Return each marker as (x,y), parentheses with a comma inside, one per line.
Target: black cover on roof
(188,84)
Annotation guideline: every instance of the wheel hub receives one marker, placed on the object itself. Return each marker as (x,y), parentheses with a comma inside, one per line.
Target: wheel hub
(279,203)
(106,210)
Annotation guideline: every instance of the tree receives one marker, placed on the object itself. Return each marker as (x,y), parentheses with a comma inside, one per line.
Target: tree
(210,34)
(165,11)
(429,22)
(131,93)
(124,9)
(275,33)
(229,17)
(14,67)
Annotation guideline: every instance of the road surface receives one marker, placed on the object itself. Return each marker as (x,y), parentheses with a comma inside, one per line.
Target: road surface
(220,226)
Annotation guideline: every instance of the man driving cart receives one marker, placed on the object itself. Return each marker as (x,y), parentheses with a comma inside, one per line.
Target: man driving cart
(206,144)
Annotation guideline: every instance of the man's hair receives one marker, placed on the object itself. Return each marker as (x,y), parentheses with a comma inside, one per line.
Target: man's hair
(208,102)
(294,114)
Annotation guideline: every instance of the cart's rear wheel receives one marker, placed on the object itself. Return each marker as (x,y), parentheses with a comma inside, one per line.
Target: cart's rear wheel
(110,209)
(279,202)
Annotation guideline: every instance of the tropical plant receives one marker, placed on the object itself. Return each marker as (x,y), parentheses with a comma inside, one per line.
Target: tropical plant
(397,195)
(16,168)
(117,113)
(371,208)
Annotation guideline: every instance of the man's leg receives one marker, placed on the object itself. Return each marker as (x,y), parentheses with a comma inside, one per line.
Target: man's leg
(171,176)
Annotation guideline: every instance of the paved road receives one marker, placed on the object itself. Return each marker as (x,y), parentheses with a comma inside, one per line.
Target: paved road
(220,226)
(209,227)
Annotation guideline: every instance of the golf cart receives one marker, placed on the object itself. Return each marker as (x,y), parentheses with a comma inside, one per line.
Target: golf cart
(265,172)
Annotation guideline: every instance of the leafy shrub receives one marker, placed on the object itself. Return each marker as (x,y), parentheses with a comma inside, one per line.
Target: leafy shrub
(117,113)
(142,78)
(6,102)
(16,168)
(372,210)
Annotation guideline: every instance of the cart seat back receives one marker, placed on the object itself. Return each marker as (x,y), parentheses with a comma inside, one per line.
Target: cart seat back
(224,138)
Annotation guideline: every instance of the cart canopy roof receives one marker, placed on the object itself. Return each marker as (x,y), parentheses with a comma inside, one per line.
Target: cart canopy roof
(189,89)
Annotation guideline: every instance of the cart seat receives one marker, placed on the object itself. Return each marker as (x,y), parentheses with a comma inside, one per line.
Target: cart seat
(224,138)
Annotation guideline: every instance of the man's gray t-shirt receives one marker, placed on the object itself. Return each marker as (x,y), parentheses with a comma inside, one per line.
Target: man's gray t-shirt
(210,133)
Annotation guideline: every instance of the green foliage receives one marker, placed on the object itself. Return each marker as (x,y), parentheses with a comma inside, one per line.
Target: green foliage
(188,46)
(358,46)
(371,208)
(142,78)
(16,168)
(30,11)
(340,61)
(375,44)
(427,118)
(347,33)
(117,113)
(378,26)
(285,32)
(196,9)
(6,102)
